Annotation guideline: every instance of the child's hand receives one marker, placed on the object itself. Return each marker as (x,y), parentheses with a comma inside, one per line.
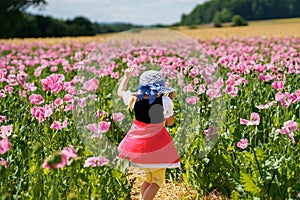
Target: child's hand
(171,95)
(128,72)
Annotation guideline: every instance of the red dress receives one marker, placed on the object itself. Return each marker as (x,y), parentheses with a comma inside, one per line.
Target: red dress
(148,145)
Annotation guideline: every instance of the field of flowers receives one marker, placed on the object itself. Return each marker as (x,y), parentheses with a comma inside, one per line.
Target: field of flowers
(236,107)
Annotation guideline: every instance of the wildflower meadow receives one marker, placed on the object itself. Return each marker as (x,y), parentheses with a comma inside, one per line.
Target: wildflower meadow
(236,112)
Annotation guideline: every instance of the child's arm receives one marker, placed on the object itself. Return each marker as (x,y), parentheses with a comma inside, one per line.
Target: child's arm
(122,87)
(170,121)
(168,109)
(171,95)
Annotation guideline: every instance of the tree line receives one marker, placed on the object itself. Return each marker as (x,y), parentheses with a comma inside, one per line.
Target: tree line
(15,22)
(248,9)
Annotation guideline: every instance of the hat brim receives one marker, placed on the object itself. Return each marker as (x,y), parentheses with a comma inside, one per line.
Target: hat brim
(164,89)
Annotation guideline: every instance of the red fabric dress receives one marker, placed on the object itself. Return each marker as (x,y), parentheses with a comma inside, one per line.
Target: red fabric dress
(149,145)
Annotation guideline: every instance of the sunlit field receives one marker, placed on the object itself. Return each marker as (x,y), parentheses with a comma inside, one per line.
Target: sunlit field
(268,28)
(45,108)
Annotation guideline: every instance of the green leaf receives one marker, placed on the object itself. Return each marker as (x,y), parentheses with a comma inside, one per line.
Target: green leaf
(185,179)
(117,174)
(234,195)
(249,185)
(260,154)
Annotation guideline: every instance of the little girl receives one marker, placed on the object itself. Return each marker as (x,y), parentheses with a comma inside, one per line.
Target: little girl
(148,144)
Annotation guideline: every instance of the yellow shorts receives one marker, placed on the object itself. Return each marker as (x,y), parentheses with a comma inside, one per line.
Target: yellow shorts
(155,176)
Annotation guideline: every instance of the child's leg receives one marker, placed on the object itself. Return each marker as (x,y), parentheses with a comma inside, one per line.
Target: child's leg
(147,182)
(150,191)
(144,187)
(158,179)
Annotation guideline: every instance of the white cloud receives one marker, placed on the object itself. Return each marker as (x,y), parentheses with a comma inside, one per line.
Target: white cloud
(144,12)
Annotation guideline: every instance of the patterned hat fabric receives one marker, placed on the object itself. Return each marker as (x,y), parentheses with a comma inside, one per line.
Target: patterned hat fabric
(152,83)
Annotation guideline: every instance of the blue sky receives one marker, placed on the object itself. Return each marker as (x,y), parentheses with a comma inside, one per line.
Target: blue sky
(142,12)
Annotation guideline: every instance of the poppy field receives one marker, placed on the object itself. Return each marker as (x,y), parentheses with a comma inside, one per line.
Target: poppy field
(236,116)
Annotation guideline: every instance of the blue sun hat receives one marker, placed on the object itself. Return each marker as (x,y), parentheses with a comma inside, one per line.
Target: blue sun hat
(152,83)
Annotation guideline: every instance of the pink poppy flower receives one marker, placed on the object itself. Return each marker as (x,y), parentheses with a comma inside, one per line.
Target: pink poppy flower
(53,68)
(288,128)
(3,75)
(98,114)
(196,81)
(48,111)
(291,125)
(65,123)
(296,96)
(4,145)
(41,113)
(2,118)
(22,93)
(36,99)
(266,106)
(278,85)
(236,80)
(68,98)
(2,93)
(46,165)
(22,77)
(81,102)
(92,97)
(231,90)
(188,88)
(57,161)
(285,99)
(58,101)
(58,125)
(69,152)
(98,129)
(213,93)
(30,87)
(201,89)
(192,100)
(6,131)
(254,120)
(265,78)
(91,85)
(37,72)
(104,126)
(93,127)
(8,89)
(69,107)
(209,132)
(38,113)
(3,163)
(12,80)
(96,161)
(117,117)
(53,83)
(60,159)
(70,90)
(243,143)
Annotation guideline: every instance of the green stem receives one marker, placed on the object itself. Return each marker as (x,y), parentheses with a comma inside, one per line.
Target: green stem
(269,187)
(257,163)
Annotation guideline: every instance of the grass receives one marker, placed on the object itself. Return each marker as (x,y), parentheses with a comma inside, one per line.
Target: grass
(265,28)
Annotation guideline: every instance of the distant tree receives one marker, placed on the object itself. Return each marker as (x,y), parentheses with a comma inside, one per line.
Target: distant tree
(83,24)
(226,15)
(217,19)
(238,20)
(248,9)
(20,5)
(13,22)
